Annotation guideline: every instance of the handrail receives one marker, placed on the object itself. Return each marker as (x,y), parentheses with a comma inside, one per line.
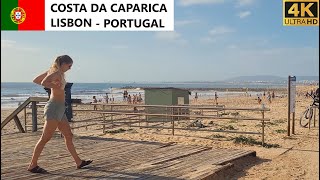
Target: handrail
(20,108)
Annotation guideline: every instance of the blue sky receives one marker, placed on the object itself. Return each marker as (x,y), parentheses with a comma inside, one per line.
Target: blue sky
(213,40)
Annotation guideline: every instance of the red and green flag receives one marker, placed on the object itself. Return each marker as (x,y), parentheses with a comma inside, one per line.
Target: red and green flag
(23,15)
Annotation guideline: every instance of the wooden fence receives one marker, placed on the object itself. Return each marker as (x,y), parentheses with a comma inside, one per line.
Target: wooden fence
(127,114)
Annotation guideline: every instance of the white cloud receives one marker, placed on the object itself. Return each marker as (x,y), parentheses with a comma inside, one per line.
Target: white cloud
(169,36)
(207,39)
(14,45)
(217,33)
(244,14)
(185,22)
(119,47)
(220,30)
(232,46)
(194,2)
(173,37)
(7,43)
(241,3)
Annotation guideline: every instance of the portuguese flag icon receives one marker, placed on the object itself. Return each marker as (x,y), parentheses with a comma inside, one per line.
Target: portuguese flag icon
(28,15)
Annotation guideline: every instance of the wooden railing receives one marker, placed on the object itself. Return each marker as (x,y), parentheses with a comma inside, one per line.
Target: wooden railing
(112,112)
(170,114)
(23,106)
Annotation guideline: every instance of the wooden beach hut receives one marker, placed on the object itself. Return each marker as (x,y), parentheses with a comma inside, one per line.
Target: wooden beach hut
(168,97)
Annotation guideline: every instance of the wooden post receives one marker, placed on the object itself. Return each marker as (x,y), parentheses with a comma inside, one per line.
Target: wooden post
(262,128)
(173,126)
(288,128)
(111,115)
(25,119)
(166,115)
(34,117)
(104,121)
(18,123)
(139,120)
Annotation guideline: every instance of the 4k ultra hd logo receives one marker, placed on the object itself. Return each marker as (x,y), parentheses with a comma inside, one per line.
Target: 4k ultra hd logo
(301,12)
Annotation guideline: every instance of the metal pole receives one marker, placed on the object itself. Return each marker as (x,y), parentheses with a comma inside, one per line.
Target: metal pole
(293,117)
(288,128)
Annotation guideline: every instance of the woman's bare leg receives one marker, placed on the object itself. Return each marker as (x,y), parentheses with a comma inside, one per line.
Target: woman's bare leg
(48,131)
(65,129)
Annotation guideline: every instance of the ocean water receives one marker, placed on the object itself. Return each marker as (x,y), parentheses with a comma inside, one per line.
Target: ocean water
(14,93)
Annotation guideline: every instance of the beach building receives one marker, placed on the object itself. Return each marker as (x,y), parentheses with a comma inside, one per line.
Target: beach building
(168,97)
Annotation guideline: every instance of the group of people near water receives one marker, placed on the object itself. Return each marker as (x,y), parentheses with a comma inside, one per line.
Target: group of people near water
(131,99)
(269,96)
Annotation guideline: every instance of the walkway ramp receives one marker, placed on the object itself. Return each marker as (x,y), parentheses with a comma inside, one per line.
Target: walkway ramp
(114,159)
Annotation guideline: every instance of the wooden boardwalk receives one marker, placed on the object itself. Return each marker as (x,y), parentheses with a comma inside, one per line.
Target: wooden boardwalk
(114,159)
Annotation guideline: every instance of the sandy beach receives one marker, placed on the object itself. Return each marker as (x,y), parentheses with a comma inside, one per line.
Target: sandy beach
(285,157)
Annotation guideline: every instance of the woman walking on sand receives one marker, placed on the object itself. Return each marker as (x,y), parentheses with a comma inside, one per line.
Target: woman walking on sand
(54,112)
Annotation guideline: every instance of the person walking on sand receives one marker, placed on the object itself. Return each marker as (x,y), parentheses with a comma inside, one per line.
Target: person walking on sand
(196,97)
(94,100)
(269,97)
(259,100)
(54,113)
(106,98)
(216,97)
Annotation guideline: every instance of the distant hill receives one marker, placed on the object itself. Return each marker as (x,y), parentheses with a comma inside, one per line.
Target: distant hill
(270,78)
(256,78)
(307,78)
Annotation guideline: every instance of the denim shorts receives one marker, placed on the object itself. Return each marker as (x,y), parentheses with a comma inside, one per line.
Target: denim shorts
(55,110)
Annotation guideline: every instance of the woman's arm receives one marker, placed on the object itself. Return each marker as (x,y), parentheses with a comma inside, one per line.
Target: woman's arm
(52,81)
(39,78)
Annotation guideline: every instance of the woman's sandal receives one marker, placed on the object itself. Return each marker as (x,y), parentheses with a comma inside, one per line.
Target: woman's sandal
(38,169)
(84,163)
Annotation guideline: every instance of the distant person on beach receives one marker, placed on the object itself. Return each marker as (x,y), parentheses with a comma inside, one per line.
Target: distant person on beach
(216,98)
(129,99)
(106,98)
(196,97)
(139,98)
(54,113)
(273,95)
(269,97)
(94,100)
(259,100)
(125,95)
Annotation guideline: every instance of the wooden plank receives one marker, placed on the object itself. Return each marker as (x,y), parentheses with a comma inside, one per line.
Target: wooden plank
(205,171)
(18,124)
(116,159)
(64,165)
(182,155)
